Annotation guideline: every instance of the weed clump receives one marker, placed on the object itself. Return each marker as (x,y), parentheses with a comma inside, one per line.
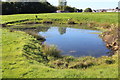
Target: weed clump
(110,61)
(60,64)
(47,22)
(71,22)
(92,24)
(81,65)
(69,59)
(105,25)
(51,50)
(11,30)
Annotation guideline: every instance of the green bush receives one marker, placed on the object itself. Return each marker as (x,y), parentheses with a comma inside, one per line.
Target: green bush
(110,61)
(51,50)
(88,10)
(71,22)
(27,7)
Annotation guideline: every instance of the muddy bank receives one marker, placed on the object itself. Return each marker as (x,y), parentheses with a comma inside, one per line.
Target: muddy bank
(111,37)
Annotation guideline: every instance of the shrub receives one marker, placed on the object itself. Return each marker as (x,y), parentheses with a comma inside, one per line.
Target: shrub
(110,61)
(88,10)
(69,59)
(71,22)
(27,7)
(51,50)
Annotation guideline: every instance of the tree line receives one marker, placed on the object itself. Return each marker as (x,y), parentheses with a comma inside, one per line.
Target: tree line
(69,9)
(27,7)
(35,7)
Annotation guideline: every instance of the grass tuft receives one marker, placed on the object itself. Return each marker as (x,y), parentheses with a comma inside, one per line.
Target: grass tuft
(51,50)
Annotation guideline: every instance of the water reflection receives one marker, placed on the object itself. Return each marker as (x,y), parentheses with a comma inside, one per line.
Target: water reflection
(42,29)
(62,30)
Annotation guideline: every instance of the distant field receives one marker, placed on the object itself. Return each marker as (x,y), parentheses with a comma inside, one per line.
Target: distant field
(63,17)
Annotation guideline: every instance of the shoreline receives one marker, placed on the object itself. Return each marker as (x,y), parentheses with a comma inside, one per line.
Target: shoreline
(105,28)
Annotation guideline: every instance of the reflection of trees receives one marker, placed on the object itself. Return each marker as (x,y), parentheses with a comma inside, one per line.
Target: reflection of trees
(42,29)
(34,29)
(62,30)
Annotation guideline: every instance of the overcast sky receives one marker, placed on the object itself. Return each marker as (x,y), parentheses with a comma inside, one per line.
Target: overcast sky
(94,4)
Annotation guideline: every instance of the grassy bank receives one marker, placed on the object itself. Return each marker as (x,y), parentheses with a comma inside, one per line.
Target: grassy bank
(106,18)
(17,65)
(23,55)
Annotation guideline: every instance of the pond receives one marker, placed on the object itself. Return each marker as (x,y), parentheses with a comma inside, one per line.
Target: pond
(73,41)
(76,42)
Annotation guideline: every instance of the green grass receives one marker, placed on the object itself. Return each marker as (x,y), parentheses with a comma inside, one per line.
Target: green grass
(22,54)
(16,65)
(111,18)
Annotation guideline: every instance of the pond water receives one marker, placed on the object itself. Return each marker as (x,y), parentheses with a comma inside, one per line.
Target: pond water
(72,41)
(76,42)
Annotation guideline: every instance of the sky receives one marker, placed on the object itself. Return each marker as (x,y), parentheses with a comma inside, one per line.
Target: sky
(94,4)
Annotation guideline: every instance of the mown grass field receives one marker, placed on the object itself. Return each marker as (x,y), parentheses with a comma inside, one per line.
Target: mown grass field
(111,18)
(15,65)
